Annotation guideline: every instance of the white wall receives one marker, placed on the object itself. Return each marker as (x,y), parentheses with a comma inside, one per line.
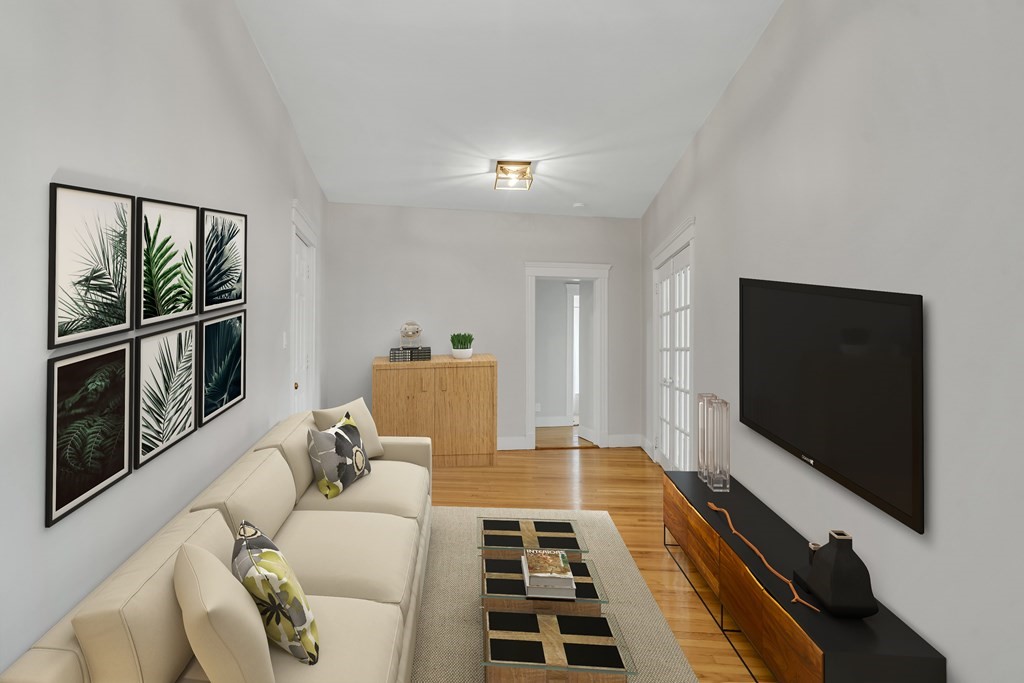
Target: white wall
(465,270)
(167,100)
(554,330)
(878,145)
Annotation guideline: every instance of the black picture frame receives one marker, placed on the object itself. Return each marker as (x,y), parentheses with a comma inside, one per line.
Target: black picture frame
(222,368)
(84,419)
(90,271)
(162,359)
(220,288)
(170,264)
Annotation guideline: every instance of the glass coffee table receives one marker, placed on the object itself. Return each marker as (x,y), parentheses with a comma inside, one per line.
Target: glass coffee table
(507,538)
(554,647)
(502,589)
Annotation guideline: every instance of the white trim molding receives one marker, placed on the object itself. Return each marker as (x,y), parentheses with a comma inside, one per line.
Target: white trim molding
(558,421)
(514,443)
(598,272)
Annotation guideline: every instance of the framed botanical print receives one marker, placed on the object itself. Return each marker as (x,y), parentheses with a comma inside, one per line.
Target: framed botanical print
(223,364)
(166,375)
(88,426)
(90,264)
(166,235)
(224,241)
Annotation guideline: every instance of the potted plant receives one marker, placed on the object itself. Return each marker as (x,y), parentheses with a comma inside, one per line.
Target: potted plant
(462,345)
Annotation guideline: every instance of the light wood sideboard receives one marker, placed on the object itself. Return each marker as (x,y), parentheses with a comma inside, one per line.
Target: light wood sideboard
(454,402)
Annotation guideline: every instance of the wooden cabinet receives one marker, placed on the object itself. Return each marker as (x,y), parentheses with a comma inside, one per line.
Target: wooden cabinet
(798,644)
(454,402)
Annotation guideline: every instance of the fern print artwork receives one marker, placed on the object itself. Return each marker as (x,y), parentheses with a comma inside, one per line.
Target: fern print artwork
(166,238)
(166,391)
(88,440)
(90,265)
(223,364)
(224,263)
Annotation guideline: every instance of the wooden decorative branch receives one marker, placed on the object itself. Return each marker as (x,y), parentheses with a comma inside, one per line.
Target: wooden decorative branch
(796,596)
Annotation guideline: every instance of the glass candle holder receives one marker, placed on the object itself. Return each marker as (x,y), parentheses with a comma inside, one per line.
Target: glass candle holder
(719,427)
(703,455)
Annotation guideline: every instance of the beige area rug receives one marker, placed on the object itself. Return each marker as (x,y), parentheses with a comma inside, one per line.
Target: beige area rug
(449,638)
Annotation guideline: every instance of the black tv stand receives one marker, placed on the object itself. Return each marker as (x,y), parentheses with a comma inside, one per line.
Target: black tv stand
(798,644)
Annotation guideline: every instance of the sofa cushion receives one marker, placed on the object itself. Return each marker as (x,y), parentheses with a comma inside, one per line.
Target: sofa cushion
(223,625)
(258,487)
(289,437)
(361,416)
(273,584)
(337,457)
(362,641)
(396,488)
(131,630)
(362,555)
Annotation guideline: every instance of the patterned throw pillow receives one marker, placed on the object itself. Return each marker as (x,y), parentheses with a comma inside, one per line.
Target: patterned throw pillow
(337,456)
(264,572)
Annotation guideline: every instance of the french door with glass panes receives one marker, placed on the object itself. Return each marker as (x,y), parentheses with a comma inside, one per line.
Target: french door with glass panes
(673,436)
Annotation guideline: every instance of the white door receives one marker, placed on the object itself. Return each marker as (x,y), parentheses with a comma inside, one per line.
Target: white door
(673,440)
(303,324)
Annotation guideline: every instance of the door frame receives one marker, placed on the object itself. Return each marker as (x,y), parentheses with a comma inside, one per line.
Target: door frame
(302,228)
(681,238)
(598,272)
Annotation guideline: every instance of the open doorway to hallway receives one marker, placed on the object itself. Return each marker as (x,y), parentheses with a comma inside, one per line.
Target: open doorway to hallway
(564,346)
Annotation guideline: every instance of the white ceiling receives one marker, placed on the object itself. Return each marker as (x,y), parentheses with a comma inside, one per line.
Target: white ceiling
(410,102)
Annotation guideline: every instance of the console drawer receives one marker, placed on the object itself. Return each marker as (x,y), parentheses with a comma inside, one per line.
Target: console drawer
(697,539)
(787,650)
(742,596)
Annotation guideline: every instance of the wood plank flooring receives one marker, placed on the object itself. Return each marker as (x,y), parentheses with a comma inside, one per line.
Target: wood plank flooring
(560,437)
(627,484)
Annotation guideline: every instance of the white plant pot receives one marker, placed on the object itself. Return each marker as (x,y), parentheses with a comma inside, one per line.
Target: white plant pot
(462,354)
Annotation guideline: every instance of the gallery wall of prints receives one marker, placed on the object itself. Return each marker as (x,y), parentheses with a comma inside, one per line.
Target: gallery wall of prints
(146,307)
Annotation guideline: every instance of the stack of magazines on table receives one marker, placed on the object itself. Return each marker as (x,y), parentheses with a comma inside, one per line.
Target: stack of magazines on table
(548,575)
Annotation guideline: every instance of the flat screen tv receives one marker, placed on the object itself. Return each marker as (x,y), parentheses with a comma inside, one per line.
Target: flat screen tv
(834,376)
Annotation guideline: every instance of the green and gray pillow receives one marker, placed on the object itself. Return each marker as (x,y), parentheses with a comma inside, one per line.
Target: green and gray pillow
(268,577)
(337,456)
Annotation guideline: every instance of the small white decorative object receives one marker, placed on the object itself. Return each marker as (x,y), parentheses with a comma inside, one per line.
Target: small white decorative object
(410,333)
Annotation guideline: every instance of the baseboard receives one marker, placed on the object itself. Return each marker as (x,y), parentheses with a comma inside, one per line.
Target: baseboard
(624,440)
(514,443)
(557,421)
(588,434)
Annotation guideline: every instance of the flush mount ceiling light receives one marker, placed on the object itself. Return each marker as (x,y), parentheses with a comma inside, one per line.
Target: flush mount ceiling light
(512,175)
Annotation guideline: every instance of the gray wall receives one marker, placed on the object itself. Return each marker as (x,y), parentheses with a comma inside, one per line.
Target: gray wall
(167,100)
(878,145)
(465,270)
(554,334)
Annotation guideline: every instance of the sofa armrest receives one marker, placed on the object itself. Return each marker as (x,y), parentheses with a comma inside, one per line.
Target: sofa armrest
(414,449)
(42,665)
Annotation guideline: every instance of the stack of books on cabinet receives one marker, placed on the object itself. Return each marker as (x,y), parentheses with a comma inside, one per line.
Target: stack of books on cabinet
(548,575)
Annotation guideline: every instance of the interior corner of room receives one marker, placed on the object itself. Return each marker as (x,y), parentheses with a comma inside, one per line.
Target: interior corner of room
(666,160)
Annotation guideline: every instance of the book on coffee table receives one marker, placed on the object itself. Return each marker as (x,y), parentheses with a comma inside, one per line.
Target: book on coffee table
(547,574)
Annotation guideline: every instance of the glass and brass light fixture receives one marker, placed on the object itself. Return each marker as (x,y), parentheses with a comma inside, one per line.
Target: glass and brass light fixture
(513,175)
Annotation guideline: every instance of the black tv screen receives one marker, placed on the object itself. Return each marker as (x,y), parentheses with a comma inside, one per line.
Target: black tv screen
(834,376)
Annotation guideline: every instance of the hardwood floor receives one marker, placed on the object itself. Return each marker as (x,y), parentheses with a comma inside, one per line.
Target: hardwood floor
(560,437)
(627,484)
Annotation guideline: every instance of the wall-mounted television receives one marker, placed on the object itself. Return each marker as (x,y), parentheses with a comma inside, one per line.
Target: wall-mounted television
(835,377)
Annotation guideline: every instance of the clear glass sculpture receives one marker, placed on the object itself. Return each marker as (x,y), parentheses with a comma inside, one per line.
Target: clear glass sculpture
(719,427)
(703,455)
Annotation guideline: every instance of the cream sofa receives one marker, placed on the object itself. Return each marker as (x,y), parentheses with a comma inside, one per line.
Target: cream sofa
(360,557)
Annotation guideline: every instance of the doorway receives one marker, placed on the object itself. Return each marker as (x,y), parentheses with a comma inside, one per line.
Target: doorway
(562,347)
(305,391)
(566,355)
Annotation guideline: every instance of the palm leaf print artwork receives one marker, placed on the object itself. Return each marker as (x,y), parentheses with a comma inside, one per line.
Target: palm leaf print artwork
(223,259)
(167,257)
(166,390)
(223,364)
(88,418)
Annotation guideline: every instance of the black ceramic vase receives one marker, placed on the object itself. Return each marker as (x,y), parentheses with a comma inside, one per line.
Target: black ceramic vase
(838,578)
